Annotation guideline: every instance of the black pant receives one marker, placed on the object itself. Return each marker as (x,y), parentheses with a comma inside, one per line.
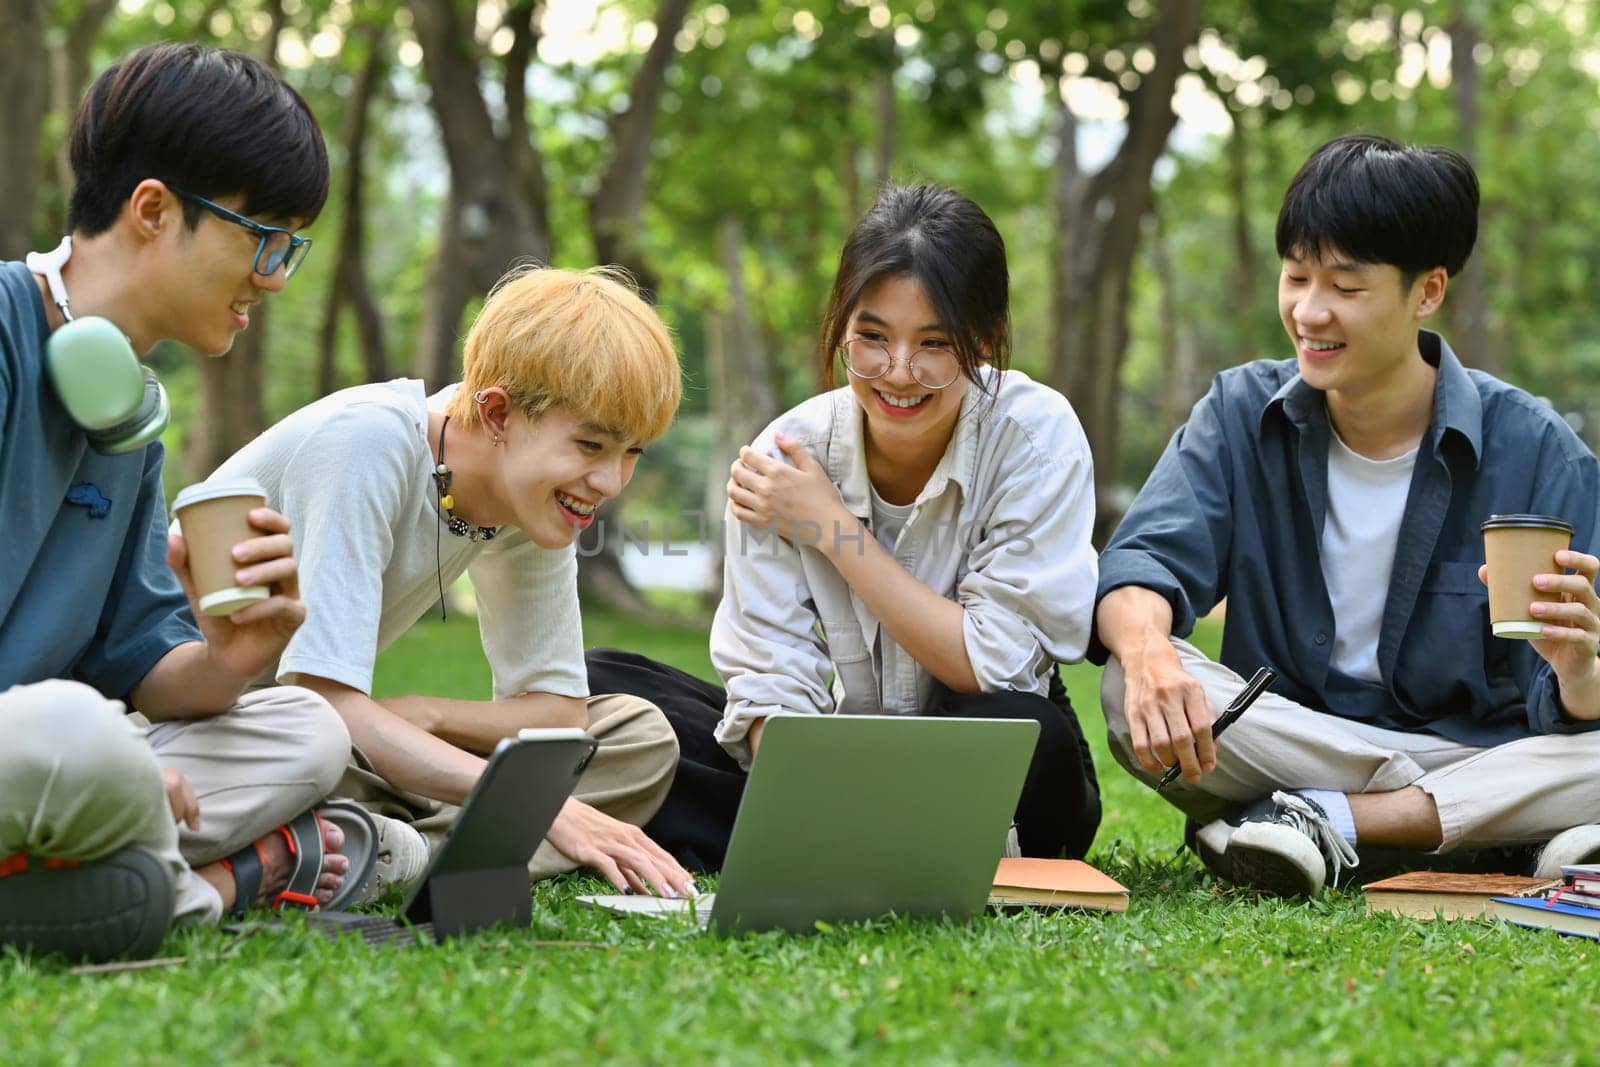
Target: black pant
(1059,810)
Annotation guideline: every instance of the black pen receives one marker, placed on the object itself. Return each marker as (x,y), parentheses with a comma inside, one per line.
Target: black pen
(1241,703)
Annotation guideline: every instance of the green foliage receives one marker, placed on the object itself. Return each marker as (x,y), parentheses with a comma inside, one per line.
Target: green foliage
(771,116)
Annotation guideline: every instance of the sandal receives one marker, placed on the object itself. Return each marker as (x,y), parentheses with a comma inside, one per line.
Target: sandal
(303,834)
(118,907)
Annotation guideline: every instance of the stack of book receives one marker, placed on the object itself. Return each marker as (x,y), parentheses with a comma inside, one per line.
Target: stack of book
(1571,907)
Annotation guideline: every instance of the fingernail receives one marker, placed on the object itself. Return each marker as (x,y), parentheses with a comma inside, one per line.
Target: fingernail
(627,890)
(673,893)
(692,889)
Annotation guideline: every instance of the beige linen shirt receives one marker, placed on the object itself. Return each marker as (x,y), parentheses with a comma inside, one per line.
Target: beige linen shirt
(1002,527)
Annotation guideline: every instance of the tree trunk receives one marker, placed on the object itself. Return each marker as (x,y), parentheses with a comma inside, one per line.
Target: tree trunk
(725,442)
(850,178)
(616,208)
(1099,235)
(739,367)
(449,289)
(490,223)
(231,408)
(69,73)
(883,157)
(350,283)
(1468,304)
(1178,351)
(615,219)
(23,99)
(1246,282)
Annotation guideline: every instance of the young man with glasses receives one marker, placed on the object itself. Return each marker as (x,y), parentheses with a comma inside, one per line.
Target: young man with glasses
(181,220)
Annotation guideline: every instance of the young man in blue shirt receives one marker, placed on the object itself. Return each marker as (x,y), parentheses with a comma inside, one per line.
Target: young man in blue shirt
(193,168)
(1335,500)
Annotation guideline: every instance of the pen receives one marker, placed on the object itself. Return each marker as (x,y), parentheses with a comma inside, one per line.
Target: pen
(1241,703)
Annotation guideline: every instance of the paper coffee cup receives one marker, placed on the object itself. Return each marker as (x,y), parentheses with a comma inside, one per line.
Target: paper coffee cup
(1517,547)
(214,516)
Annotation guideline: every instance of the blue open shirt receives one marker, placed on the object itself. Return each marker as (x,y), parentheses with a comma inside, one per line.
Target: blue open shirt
(85,590)
(1236,505)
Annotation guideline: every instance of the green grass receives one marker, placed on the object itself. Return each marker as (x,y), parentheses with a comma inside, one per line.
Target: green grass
(1192,973)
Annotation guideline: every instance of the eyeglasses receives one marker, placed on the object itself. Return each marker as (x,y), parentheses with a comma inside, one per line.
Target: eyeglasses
(278,248)
(933,368)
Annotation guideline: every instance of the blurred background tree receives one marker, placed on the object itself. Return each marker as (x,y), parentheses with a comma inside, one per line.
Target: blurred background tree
(1133,153)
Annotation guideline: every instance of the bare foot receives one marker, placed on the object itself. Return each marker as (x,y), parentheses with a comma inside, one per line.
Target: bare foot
(277,865)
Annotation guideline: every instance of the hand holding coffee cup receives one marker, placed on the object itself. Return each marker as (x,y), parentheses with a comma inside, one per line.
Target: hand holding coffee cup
(215,517)
(1517,549)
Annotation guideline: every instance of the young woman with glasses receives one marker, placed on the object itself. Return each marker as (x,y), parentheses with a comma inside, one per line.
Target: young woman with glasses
(915,542)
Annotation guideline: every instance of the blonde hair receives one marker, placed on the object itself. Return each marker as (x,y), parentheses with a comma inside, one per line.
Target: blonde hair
(583,339)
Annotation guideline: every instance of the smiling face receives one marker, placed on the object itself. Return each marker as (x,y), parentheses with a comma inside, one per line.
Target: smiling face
(1354,325)
(901,412)
(219,286)
(556,469)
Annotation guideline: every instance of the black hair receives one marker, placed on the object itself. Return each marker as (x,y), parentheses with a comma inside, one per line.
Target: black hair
(952,249)
(1379,201)
(211,122)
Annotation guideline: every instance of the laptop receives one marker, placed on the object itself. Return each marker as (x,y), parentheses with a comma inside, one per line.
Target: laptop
(850,817)
(478,876)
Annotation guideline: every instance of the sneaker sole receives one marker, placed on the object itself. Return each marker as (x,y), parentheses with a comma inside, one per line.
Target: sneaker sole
(116,908)
(1276,860)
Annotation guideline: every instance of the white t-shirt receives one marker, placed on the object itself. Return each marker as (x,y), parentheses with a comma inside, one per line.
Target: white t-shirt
(1366,501)
(353,472)
(888,520)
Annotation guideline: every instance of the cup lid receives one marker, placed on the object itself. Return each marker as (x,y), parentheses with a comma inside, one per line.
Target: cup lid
(1527,522)
(216,489)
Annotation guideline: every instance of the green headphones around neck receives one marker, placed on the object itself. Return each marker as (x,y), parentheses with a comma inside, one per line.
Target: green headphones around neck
(96,374)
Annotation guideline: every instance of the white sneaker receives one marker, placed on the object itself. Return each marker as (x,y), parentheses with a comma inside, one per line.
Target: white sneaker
(401,860)
(1581,844)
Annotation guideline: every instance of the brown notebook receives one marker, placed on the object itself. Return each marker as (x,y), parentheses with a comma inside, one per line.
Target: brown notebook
(1055,884)
(1430,894)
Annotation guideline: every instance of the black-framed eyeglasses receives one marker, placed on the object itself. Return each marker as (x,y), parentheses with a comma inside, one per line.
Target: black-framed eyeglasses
(867,359)
(278,247)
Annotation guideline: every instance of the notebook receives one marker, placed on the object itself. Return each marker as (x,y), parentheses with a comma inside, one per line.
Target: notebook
(478,876)
(849,817)
(1021,881)
(1438,894)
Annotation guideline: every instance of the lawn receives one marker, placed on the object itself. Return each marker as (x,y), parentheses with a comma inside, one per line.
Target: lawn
(1193,972)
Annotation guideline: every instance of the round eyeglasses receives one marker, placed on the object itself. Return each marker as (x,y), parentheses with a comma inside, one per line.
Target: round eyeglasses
(867,359)
(277,248)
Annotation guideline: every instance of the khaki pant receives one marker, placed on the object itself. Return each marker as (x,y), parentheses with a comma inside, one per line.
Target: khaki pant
(79,779)
(1520,792)
(627,779)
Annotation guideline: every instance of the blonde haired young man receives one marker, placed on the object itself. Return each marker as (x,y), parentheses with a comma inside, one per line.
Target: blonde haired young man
(394,493)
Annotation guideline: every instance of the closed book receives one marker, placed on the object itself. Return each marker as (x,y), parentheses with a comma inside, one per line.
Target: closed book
(1567,895)
(1023,881)
(1584,877)
(1438,894)
(1548,915)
